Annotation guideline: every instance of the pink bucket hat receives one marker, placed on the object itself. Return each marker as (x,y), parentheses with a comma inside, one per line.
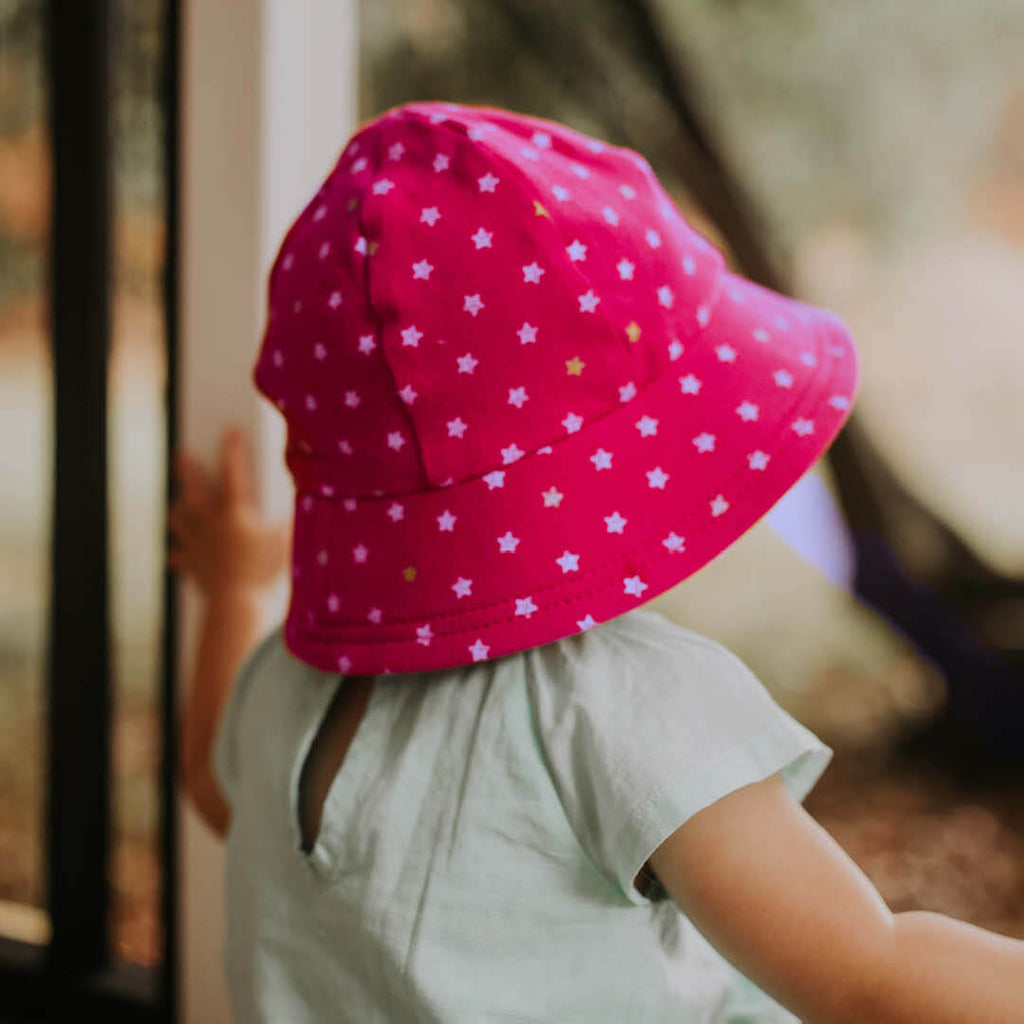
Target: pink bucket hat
(523,395)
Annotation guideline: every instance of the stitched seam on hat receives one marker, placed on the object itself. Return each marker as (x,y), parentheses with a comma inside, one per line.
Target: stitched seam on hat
(372,312)
(650,546)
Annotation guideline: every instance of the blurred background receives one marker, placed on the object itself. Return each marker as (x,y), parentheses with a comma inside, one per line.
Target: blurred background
(868,158)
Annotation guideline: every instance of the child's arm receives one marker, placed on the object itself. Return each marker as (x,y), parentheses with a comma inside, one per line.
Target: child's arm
(225,546)
(775,894)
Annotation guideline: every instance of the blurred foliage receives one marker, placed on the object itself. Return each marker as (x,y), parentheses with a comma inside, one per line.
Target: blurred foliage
(870,111)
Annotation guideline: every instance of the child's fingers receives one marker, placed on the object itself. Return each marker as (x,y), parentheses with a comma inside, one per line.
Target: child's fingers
(235,480)
(193,486)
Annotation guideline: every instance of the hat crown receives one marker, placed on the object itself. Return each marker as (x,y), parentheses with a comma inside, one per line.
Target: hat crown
(467,288)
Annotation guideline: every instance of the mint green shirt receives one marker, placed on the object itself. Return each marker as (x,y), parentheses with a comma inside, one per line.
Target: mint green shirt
(478,845)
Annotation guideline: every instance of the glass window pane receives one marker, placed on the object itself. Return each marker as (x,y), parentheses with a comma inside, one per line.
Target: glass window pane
(25,465)
(137,460)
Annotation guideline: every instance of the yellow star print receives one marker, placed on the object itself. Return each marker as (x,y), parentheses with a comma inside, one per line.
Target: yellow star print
(540,209)
(633,331)
(574,366)
(409,572)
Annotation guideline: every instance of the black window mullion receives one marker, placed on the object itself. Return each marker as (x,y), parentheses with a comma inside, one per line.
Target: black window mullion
(79,659)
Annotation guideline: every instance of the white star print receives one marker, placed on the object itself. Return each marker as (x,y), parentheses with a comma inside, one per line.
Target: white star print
(424,634)
(408,395)
(496,478)
(375,615)
(529,152)
(760,334)
(719,505)
(319,351)
(479,650)
(359,553)
(601,459)
(358,165)
(758,459)
(808,359)
(278,357)
(532,273)
(421,271)
(441,162)
(456,427)
(511,454)
(560,193)
(572,423)
(352,399)
(587,622)
(634,585)
(703,315)
(446,522)
(516,397)
(610,216)
(507,543)
(361,247)
(382,187)
(366,344)
(726,353)
(462,587)
(525,606)
(472,304)
(344,663)
(782,323)
(349,504)
(839,402)
(429,215)
(627,392)
(487,182)
(541,139)
(647,425)
(803,427)
(783,378)
(482,239)
(335,300)
(653,238)
(705,442)
(615,522)
(625,269)
(527,334)
(689,265)
(411,336)
(552,498)
(467,364)
(395,152)
(396,512)
(665,296)
(747,411)
(333,602)
(345,447)
(395,440)
(675,349)
(569,562)
(588,302)
(627,192)
(577,251)
(657,477)
(674,542)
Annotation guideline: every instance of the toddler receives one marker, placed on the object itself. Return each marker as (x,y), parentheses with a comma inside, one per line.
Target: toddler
(471,777)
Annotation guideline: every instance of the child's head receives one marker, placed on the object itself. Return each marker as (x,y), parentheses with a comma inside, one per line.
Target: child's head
(523,395)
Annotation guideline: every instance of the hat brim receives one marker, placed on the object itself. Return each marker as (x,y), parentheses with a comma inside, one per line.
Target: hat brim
(741,413)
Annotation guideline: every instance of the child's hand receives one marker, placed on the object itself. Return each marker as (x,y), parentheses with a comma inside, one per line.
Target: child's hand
(221,539)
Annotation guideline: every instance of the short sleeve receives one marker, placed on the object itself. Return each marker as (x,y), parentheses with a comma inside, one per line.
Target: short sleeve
(643,723)
(225,749)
